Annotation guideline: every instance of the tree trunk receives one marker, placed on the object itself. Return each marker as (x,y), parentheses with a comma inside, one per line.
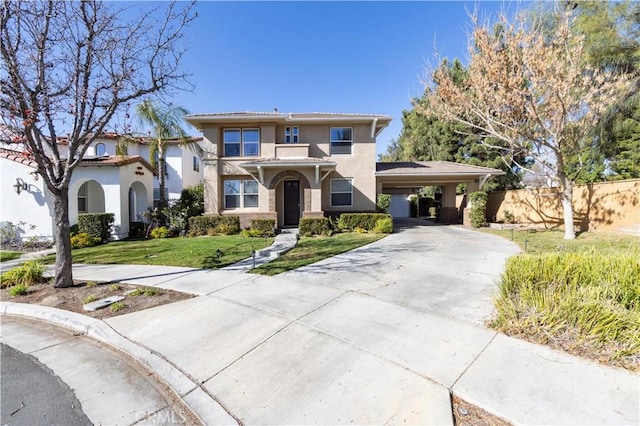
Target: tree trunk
(64,276)
(567,207)
(161,181)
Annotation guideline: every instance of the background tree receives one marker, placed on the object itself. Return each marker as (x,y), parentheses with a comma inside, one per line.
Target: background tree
(67,69)
(532,92)
(427,137)
(611,37)
(165,123)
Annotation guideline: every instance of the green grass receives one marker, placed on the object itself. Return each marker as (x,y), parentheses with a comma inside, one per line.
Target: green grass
(582,296)
(313,249)
(9,255)
(546,241)
(199,252)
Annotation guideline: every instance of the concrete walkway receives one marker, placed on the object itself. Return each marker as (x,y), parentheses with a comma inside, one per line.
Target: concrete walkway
(381,334)
(283,242)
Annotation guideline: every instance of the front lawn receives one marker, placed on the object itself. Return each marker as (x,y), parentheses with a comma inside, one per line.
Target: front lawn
(198,252)
(313,249)
(581,296)
(9,255)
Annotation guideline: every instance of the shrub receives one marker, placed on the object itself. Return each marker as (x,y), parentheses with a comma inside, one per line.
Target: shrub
(252,233)
(384,226)
(18,290)
(585,298)
(97,225)
(310,226)
(383,203)
(265,226)
(508,217)
(90,298)
(28,273)
(117,306)
(478,201)
(160,232)
(213,225)
(366,221)
(83,240)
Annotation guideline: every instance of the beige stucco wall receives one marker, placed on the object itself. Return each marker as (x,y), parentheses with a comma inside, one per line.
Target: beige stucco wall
(606,206)
(359,165)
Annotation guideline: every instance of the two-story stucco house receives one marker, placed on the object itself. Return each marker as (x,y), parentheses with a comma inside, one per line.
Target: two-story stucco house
(288,166)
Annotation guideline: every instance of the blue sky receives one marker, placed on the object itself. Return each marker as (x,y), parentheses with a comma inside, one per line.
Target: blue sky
(353,57)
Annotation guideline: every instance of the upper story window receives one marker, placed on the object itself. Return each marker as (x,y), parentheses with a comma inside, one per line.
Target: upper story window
(100,149)
(341,140)
(291,134)
(241,142)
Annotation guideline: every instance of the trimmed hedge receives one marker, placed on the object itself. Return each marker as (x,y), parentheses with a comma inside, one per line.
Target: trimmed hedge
(310,226)
(264,226)
(366,221)
(384,226)
(478,214)
(212,225)
(97,225)
(83,240)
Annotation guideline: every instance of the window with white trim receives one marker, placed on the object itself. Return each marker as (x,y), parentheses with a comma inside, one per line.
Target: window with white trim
(100,149)
(341,192)
(240,193)
(341,140)
(241,142)
(82,198)
(291,134)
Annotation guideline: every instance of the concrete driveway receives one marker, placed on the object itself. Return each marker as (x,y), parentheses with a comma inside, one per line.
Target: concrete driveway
(373,336)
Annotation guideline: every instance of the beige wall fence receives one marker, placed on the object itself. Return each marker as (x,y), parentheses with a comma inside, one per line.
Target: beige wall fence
(605,206)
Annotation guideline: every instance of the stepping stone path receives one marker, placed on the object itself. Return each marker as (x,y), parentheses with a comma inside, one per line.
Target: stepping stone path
(102,303)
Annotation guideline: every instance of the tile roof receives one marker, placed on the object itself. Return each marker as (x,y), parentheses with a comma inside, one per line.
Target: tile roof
(18,157)
(109,161)
(289,161)
(433,168)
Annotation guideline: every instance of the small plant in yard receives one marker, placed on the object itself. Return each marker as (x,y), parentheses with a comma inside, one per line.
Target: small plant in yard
(160,232)
(149,291)
(91,283)
(18,290)
(28,273)
(90,298)
(384,226)
(115,287)
(117,306)
(83,240)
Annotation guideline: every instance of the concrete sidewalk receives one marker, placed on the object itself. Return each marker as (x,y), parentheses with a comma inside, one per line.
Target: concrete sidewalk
(382,334)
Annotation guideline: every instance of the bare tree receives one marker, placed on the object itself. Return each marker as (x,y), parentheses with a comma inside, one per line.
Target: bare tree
(530,91)
(69,67)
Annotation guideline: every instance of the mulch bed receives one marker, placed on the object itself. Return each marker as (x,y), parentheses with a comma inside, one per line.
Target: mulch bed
(73,298)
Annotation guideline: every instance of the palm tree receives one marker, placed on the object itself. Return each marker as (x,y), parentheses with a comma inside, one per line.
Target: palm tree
(165,123)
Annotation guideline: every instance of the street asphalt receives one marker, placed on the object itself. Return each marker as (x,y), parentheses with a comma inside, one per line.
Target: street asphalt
(382,334)
(33,395)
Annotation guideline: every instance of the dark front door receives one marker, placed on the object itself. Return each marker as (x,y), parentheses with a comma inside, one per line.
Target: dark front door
(291,202)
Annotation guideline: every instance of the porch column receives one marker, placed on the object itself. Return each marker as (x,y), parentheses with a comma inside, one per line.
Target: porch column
(448,210)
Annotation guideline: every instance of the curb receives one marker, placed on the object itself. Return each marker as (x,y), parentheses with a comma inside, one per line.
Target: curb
(204,407)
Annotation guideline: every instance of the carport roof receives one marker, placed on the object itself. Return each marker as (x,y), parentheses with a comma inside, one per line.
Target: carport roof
(416,174)
(433,168)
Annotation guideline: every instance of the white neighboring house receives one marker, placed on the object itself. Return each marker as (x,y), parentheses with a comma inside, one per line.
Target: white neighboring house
(183,162)
(120,185)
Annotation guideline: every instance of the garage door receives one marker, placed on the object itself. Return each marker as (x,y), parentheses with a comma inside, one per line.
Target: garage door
(399,205)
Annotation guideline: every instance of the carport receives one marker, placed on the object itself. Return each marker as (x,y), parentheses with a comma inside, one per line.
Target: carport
(399,179)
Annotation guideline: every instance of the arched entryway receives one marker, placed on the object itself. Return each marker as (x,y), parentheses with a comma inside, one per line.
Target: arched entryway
(290,196)
(90,198)
(138,201)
